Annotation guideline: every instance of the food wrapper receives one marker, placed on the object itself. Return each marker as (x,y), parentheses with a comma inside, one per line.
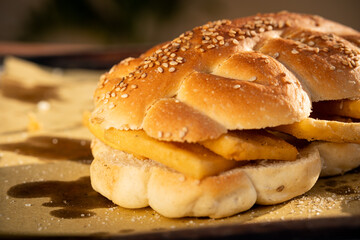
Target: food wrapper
(44,173)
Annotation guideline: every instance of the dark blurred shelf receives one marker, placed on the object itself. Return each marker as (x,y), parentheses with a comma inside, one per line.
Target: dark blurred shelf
(70,55)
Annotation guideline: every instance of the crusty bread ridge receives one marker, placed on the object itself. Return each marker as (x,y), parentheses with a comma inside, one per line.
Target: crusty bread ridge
(134,183)
(248,73)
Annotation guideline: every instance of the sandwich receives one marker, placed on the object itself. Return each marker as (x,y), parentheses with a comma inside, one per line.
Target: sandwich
(227,115)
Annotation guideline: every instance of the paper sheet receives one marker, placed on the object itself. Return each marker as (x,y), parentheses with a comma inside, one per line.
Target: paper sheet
(45,158)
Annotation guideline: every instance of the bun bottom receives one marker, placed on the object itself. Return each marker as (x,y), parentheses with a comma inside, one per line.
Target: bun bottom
(133,183)
(337,158)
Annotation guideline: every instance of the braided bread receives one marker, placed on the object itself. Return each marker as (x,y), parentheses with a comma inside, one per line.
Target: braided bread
(249,73)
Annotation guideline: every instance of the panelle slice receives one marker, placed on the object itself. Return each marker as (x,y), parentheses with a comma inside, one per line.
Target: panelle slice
(190,159)
(315,129)
(251,145)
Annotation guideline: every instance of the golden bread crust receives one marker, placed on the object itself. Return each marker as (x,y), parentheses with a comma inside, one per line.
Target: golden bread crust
(159,122)
(238,74)
(325,64)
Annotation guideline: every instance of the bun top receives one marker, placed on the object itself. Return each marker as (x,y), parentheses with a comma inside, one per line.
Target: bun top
(249,73)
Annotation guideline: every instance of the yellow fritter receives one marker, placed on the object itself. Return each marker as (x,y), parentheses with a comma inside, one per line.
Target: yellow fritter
(331,131)
(192,160)
(251,145)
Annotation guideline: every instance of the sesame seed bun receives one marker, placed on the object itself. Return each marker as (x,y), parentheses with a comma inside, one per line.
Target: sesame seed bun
(249,73)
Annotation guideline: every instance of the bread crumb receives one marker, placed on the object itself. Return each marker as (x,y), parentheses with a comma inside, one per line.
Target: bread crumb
(33,124)
(43,106)
(252,79)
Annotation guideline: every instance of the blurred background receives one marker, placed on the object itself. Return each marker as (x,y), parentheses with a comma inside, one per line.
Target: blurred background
(43,27)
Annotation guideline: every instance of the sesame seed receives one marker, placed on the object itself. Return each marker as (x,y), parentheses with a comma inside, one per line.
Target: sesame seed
(332,68)
(143,75)
(160,134)
(166,65)
(167,134)
(111,105)
(134,86)
(232,31)
(183,132)
(160,69)
(179,59)
(352,63)
(236,42)
(344,62)
(324,37)
(252,78)
(237,86)
(201,50)
(173,55)
(106,100)
(276,55)
(172,69)
(173,63)
(311,43)
(124,95)
(294,51)
(210,46)
(113,94)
